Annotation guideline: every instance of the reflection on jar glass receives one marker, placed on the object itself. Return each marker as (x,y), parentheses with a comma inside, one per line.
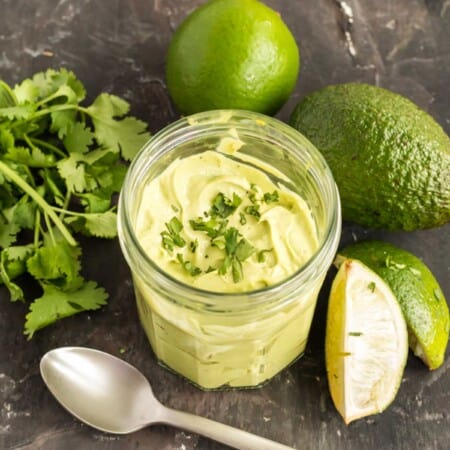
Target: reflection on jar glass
(229,221)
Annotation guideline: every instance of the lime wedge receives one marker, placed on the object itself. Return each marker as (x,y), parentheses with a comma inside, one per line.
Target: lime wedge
(416,289)
(366,342)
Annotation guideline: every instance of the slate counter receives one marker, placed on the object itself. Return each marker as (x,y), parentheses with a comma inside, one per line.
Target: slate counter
(119,46)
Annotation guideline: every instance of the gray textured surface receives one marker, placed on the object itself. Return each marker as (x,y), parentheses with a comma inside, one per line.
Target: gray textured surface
(119,46)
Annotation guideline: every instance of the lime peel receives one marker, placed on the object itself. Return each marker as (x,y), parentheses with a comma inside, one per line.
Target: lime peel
(366,343)
(418,292)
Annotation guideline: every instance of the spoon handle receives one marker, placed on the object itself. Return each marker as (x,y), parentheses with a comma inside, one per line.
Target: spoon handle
(220,432)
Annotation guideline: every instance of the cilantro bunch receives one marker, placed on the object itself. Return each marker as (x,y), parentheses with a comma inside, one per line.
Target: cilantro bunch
(60,165)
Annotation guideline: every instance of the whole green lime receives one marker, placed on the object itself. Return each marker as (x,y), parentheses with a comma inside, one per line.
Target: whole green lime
(232,54)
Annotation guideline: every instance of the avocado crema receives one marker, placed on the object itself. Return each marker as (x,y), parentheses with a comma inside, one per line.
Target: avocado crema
(218,222)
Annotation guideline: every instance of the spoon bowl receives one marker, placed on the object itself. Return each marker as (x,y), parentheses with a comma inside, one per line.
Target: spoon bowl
(99,389)
(110,395)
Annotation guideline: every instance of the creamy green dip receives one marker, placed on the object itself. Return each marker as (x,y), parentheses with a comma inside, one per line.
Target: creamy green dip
(210,349)
(281,231)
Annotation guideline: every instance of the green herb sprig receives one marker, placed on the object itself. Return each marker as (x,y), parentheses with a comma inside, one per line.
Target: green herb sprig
(237,250)
(60,165)
(171,237)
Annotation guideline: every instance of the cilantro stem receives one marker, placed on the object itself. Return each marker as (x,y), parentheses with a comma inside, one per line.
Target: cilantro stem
(49,227)
(48,146)
(75,213)
(66,203)
(37,227)
(50,98)
(28,171)
(22,184)
(44,112)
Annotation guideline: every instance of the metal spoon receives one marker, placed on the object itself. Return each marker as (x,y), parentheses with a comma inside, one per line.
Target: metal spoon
(109,394)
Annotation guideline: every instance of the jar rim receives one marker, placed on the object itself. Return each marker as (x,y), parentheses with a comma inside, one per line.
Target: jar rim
(205,122)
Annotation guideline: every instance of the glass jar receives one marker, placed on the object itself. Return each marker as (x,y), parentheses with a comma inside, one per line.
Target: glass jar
(215,339)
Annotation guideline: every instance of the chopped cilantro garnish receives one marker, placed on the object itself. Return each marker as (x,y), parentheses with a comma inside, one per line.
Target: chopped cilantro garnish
(371,286)
(237,249)
(193,245)
(252,197)
(222,206)
(231,240)
(215,224)
(271,197)
(244,250)
(211,227)
(253,210)
(171,238)
(261,255)
(190,268)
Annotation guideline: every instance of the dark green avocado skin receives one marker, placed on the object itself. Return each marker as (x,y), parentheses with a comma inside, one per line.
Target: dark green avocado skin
(390,159)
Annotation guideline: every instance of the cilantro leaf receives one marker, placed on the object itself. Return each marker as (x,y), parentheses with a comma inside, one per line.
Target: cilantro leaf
(7,97)
(22,213)
(8,232)
(67,77)
(109,106)
(13,264)
(56,262)
(95,202)
(26,92)
(56,303)
(102,224)
(78,139)
(17,112)
(105,171)
(127,135)
(72,170)
(45,84)
(6,139)
(62,122)
(33,157)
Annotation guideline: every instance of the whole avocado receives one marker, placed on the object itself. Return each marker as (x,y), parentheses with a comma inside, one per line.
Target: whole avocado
(390,159)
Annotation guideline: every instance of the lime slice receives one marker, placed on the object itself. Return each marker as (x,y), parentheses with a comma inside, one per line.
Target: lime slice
(416,289)
(366,342)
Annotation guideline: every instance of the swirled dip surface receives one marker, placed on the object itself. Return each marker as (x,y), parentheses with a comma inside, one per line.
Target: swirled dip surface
(280,231)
